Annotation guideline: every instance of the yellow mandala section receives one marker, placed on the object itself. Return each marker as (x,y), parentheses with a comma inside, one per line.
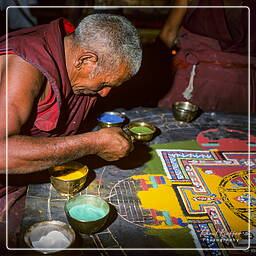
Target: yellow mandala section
(168,211)
(163,201)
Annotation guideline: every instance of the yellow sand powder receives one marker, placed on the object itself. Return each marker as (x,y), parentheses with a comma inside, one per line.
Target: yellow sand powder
(72,176)
(70,171)
(162,198)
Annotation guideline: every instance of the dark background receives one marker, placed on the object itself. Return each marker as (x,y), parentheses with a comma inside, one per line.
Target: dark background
(153,79)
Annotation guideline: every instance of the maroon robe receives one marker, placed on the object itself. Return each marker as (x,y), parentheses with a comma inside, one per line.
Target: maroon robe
(62,114)
(214,42)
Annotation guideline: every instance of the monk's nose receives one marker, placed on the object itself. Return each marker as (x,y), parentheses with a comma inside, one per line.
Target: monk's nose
(104,92)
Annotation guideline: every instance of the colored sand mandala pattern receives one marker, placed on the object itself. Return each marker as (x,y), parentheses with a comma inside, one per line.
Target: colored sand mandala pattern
(234,191)
(137,201)
(219,193)
(207,192)
(226,140)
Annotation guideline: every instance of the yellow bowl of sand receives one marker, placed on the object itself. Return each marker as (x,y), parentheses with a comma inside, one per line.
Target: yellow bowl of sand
(69,178)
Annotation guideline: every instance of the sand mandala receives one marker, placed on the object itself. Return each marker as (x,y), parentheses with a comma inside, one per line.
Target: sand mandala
(207,192)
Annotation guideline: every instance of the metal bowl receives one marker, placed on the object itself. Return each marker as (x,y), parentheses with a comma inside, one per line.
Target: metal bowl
(135,130)
(184,111)
(88,222)
(114,119)
(68,186)
(49,236)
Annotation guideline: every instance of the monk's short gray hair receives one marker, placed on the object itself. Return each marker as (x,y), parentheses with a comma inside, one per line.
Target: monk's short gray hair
(113,38)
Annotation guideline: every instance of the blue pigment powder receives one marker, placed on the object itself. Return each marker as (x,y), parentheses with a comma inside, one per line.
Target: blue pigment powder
(108,118)
(86,212)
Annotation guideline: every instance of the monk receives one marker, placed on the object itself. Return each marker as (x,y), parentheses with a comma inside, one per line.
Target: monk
(211,67)
(52,75)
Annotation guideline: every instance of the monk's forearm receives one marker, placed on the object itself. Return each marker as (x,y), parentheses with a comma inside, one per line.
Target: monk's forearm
(174,20)
(29,154)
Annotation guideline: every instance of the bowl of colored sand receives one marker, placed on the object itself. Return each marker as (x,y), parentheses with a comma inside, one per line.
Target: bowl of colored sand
(111,119)
(184,111)
(49,236)
(141,131)
(87,214)
(69,178)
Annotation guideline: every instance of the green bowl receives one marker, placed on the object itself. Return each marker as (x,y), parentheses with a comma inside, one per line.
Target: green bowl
(87,214)
(140,131)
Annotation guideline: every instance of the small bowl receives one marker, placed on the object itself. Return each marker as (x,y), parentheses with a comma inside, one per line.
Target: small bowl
(111,119)
(141,131)
(49,236)
(69,178)
(184,111)
(87,214)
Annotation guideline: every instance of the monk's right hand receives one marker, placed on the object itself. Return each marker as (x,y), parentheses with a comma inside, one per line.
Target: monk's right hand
(113,143)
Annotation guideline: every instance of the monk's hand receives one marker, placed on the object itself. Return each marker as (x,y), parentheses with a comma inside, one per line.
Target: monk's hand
(113,143)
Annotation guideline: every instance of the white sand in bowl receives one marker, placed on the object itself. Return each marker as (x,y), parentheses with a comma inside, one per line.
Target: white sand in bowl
(53,239)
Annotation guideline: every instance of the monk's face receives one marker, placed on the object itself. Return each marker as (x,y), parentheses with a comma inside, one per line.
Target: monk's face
(85,83)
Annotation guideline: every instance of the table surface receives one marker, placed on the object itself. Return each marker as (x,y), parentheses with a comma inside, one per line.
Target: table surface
(127,231)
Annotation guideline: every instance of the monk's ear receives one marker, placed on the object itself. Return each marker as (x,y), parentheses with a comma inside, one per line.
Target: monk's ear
(88,58)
